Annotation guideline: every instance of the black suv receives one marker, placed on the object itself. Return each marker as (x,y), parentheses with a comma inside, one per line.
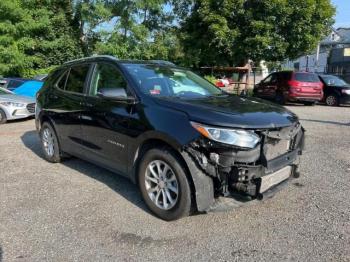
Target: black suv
(186,143)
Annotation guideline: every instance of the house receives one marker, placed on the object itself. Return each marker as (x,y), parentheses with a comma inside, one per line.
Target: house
(331,56)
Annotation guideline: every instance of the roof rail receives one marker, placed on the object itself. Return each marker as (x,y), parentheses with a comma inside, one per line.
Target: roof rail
(90,57)
(162,62)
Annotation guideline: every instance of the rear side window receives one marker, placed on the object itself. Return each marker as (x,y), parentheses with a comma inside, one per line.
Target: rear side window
(14,83)
(285,76)
(270,79)
(76,79)
(306,77)
(61,84)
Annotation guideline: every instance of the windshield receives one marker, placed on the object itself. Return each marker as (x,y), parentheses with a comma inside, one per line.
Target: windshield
(4,91)
(334,81)
(306,77)
(166,81)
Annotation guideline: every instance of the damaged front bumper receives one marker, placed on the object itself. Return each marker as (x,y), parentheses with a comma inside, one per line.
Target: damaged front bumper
(245,174)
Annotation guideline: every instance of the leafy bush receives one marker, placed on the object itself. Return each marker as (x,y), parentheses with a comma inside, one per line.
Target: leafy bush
(211,79)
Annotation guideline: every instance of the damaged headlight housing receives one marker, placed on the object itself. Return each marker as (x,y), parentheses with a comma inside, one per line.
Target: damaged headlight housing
(235,137)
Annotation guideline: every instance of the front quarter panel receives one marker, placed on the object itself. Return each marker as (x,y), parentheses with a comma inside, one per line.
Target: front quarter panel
(156,122)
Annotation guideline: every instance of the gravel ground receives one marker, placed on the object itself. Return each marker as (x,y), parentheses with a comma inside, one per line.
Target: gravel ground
(77,211)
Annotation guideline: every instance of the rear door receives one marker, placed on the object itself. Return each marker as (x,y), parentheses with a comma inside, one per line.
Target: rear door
(67,104)
(105,121)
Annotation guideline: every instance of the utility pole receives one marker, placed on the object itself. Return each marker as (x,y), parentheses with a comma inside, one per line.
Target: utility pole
(317,58)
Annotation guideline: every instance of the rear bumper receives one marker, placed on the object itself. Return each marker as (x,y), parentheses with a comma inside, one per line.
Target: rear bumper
(304,98)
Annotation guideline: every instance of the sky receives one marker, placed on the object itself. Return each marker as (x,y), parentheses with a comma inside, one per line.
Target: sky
(342,18)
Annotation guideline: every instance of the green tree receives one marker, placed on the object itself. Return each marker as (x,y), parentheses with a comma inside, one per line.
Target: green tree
(233,31)
(88,15)
(142,29)
(34,35)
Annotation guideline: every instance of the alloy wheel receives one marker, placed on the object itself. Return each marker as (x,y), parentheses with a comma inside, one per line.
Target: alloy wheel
(161,184)
(48,142)
(331,100)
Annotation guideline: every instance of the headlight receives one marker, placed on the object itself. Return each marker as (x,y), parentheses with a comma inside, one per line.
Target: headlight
(235,137)
(12,104)
(346,91)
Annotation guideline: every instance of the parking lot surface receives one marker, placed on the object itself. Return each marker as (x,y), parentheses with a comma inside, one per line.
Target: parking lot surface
(78,211)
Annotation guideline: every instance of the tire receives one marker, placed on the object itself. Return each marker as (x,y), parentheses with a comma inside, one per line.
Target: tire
(279,99)
(49,143)
(160,158)
(3,118)
(332,100)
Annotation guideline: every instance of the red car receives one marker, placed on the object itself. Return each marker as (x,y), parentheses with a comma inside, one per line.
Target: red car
(285,86)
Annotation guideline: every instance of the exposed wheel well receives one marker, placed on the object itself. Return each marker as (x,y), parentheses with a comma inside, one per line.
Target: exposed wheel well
(44,119)
(157,143)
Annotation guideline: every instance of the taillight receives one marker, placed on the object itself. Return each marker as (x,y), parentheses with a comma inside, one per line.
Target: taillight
(294,84)
(294,89)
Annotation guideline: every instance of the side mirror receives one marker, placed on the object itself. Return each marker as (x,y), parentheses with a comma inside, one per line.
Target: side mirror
(118,94)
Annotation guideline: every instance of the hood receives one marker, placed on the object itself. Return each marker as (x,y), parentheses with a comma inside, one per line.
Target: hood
(233,111)
(17,99)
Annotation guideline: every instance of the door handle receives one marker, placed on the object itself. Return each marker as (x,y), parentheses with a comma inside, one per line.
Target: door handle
(89,105)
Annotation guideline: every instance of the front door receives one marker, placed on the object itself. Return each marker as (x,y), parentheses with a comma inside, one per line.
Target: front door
(105,122)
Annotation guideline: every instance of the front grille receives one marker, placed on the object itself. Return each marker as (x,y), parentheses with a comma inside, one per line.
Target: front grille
(279,142)
(31,108)
(275,148)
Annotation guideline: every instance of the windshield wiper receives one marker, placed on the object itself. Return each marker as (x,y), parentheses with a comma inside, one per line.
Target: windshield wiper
(219,95)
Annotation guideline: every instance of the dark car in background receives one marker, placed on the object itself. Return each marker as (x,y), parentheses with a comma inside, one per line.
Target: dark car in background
(290,86)
(183,141)
(11,83)
(336,90)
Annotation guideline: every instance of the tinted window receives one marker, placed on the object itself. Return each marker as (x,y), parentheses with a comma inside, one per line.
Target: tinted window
(333,80)
(62,81)
(271,78)
(14,84)
(306,77)
(285,76)
(107,76)
(76,79)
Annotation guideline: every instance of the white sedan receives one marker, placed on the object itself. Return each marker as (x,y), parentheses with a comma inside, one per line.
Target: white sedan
(14,106)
